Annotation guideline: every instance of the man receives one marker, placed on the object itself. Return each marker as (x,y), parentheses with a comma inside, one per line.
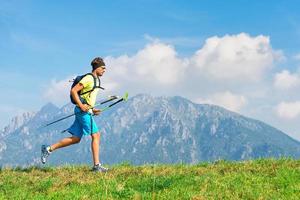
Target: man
(84,95)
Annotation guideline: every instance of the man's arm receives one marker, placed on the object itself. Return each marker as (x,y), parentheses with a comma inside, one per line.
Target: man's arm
(75,96)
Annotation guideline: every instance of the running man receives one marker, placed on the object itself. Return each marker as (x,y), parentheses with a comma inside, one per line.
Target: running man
(84,95)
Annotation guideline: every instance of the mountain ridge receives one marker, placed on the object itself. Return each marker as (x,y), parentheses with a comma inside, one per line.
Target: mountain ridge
(150,129)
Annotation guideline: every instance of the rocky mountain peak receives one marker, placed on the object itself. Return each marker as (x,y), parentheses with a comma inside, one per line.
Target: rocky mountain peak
(17,122)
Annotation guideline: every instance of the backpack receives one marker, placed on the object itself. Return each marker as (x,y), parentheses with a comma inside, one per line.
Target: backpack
(77,80)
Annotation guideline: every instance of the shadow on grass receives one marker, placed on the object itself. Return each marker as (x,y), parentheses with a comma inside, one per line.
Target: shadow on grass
(30,169)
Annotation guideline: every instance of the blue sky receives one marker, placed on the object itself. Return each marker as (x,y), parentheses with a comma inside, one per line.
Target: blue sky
(42,43)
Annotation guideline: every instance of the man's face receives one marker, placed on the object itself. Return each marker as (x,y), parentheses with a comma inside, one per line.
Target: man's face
(100,70)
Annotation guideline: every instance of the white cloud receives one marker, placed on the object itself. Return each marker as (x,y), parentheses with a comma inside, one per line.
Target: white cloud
(157,64)
(288,110)
(109,85)
(238,57)
(159,61)
(226,99)
(58,91)
(119,66)
(286,80)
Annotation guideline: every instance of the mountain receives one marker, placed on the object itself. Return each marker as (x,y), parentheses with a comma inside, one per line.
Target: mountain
(150,129)
(17,122)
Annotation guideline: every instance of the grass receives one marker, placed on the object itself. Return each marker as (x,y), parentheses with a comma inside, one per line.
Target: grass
(257,179)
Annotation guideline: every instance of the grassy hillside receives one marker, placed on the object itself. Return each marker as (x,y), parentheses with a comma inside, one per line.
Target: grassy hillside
(259,179)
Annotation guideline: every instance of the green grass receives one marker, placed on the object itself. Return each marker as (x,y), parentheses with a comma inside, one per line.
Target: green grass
(257,179)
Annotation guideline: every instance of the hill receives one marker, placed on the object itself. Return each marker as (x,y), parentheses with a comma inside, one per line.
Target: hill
(258,179)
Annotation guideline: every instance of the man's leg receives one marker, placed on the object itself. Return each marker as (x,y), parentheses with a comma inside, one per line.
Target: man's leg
(46,150)
(65,142)
(95,147)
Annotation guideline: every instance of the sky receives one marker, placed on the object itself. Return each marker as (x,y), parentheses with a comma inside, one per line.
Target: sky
(243,55)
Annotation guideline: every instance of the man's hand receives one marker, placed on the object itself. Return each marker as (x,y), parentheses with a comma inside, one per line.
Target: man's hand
(84,107)
(96,111)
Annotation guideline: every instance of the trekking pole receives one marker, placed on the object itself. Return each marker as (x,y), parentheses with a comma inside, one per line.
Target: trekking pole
(124,98)
(103,102)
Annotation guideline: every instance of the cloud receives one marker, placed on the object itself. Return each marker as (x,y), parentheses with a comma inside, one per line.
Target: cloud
(285,80)
(58,91)
(234,59)
(288,110)
(156,63)
(237,57)
(159,61)
(158,69)
(226,99)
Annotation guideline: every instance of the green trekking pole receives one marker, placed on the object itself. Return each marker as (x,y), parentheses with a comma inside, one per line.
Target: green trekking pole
(124,98)
(103,102)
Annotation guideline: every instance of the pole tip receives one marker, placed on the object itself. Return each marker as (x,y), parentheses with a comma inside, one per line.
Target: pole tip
(125,97)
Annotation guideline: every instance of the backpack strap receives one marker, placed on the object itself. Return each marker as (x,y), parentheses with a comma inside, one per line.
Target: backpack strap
(95,84)
(99,86)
